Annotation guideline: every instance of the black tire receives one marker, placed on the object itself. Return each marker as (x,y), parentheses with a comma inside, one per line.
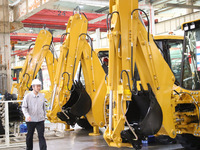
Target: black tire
(164,139)
(189,141)
(2,131)
(84,124)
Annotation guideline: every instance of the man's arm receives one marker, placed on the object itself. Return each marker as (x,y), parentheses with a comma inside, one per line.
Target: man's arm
(45,106)
(25,109)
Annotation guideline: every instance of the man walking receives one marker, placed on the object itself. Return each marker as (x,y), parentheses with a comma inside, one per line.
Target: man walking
(33,108)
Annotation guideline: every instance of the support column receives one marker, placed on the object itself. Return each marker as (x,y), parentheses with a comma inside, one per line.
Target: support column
(152,20)
(16,60)
(98,38)
(189,2)
(5,70)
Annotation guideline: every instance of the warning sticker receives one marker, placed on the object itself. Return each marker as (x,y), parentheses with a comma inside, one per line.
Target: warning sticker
(198,55)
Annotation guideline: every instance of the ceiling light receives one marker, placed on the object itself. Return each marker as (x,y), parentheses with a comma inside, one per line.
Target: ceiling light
(31,30)
(192,26)
(186,27)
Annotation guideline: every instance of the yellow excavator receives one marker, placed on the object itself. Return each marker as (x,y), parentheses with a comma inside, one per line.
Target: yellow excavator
(25,74)
(71,100)
(41,51)
(171,48)
(157,105)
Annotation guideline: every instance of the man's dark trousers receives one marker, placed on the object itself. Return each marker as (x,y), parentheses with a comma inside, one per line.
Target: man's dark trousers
(40,130)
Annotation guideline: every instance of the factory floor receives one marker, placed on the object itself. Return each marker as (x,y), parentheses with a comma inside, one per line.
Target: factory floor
(79,140)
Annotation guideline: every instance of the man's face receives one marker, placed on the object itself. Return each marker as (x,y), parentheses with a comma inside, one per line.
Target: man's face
(36,88)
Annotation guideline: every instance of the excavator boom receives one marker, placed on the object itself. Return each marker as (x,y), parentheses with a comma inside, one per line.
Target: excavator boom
(71,99)
(41,51)
(152,100)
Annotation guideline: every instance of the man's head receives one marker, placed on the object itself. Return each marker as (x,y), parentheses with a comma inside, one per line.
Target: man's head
(36,85)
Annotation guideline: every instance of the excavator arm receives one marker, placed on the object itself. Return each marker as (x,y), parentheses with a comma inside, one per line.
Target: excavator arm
(71,99)
(67,65)
(34,61)
(147,107)
(157,105)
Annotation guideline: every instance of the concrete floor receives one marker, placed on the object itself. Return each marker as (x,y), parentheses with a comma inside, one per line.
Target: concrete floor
(79,140)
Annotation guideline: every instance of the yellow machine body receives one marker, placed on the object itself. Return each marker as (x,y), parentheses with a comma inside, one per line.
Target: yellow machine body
(168,37)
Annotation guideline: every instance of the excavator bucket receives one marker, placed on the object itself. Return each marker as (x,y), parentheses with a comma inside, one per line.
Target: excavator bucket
(79,101)
(145,115)
(145,112)
(78,104)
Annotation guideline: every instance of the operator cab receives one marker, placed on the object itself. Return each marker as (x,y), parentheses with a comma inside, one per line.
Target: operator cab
(103,54)
(15,73)
(171,46)
(190,77)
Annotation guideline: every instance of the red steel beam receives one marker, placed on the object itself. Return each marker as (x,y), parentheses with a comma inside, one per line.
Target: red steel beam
(20,52)
(99,25)
(63,27)
(57,19)
(29,38)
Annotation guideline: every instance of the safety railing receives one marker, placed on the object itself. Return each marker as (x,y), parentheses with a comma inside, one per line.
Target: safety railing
(5,140)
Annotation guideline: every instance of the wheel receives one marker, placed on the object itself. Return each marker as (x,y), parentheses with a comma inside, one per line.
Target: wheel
(84,123)
(2,131)
(164,139)
(189,141)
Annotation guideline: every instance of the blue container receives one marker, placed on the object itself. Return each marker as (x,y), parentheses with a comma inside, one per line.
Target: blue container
(23,128)
(145,142)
